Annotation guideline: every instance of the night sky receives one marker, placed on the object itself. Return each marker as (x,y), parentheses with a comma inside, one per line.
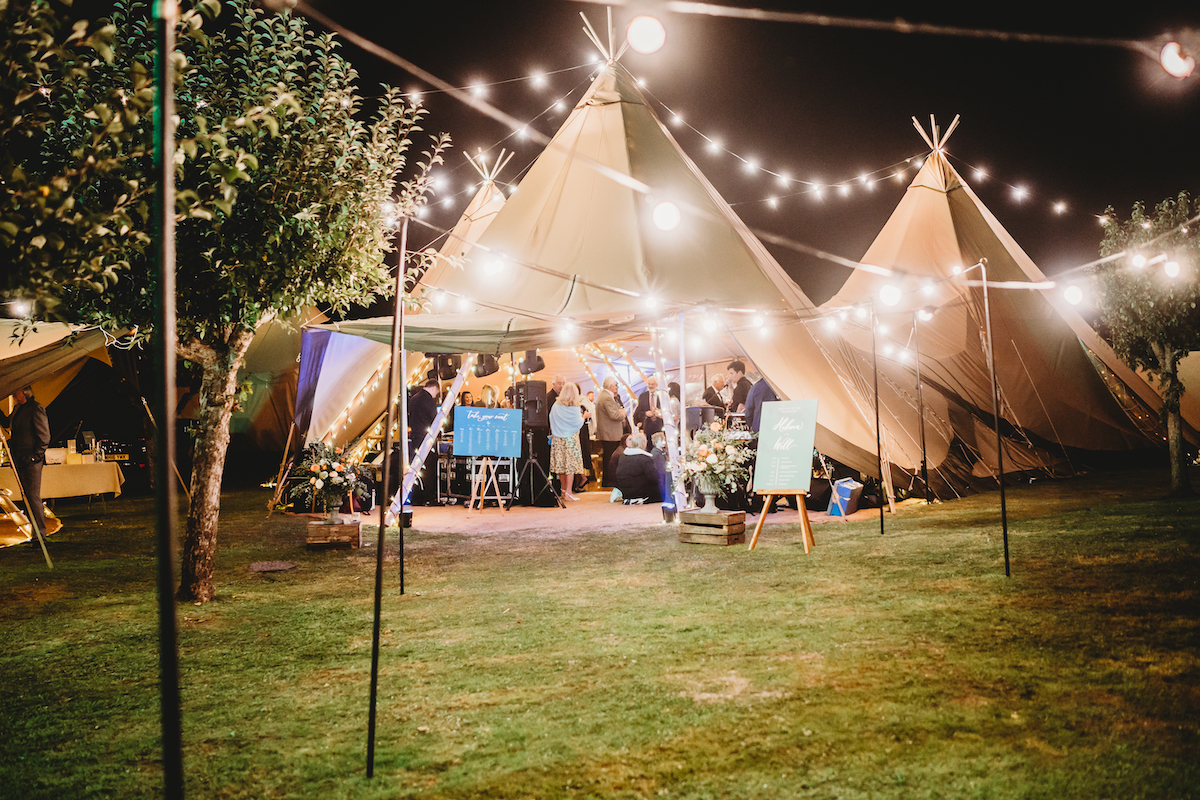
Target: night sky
(1082,125)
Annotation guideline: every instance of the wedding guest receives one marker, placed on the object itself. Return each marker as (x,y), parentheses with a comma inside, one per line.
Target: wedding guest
(566,458)
(636,476)
(610,419)
(28,442)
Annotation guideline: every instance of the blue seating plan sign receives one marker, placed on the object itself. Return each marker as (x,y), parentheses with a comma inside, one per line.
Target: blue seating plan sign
(487,432)
(785,447)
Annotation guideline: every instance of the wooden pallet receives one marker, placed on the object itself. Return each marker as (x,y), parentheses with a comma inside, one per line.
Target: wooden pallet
(721,528)
(345,534)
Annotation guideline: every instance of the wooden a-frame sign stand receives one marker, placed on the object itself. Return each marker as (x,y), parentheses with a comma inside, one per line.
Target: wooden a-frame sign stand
(479,483)
(805,525)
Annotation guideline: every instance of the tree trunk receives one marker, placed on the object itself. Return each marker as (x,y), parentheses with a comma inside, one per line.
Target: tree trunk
(218,393)
(1181,484)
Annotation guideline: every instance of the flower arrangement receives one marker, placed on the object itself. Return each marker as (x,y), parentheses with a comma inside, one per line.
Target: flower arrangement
(325,475)
(719,458)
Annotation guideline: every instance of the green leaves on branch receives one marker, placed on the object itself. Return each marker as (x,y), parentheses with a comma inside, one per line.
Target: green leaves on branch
(1150,316)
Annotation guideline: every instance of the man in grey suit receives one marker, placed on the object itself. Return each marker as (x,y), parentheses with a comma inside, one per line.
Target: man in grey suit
(610,428)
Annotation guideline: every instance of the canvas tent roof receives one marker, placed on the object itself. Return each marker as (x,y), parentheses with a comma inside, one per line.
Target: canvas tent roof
(1049,387)
(47,357)
(577,245)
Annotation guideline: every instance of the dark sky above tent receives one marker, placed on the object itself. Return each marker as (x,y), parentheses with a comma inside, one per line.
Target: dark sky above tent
(1081,125)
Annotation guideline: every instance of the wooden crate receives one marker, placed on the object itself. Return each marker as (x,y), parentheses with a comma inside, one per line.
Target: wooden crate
(721,528)
(345,534)
(719,519)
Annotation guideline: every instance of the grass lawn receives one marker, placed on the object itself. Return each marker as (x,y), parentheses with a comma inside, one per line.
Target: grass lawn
(569,664)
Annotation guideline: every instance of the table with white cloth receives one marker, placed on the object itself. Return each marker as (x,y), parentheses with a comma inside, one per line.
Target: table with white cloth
(71,480)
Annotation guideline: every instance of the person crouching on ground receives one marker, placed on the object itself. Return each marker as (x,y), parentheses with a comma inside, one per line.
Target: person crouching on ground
(566,457)
(636,476)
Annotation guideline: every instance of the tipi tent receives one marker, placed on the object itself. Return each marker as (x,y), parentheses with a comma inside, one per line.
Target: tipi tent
(941,241)
(575,257)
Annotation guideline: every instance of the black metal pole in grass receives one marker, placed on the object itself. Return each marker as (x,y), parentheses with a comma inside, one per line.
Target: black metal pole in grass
(987,318)
(384,503)
(878,430)
(921,409)
(166,496)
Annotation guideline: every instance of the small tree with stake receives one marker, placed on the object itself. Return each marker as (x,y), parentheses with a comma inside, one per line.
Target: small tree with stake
(1148,304)
(287,197)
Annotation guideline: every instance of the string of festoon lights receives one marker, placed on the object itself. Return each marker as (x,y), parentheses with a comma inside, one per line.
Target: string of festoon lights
(1140,258)
(862,184)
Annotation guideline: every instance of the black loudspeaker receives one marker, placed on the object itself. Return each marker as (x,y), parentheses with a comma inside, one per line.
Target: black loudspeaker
(448,366)
(531,363)
(486,365)
(531,399)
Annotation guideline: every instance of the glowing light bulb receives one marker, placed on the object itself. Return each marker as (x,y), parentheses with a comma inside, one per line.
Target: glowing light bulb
(560,106)
(927,288)
(667,216)
(646,34)
(1020,192)
(830,324)
(714,146)
(651,301)
(860,312)
(980,175)
(1073,295)
(924,315)
(493,266)
(1138,260)
(955,270)
(538,79)
(710,323)
(784,179)
(757,321)
(676,120)
(751,165)
(1172,269)
(1060,207)
(890,294)
(772,202)
(1177,63)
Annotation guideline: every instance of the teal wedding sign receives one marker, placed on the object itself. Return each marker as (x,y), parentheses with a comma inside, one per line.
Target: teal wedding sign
(785,447)
(487,431)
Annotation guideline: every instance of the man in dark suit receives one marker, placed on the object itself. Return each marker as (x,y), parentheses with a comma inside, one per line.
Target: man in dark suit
(422,410)
(28,442)
(735,376)
(647,415)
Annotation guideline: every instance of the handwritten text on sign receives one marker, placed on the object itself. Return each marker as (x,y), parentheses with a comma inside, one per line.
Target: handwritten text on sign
(487,432)
(785,447)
